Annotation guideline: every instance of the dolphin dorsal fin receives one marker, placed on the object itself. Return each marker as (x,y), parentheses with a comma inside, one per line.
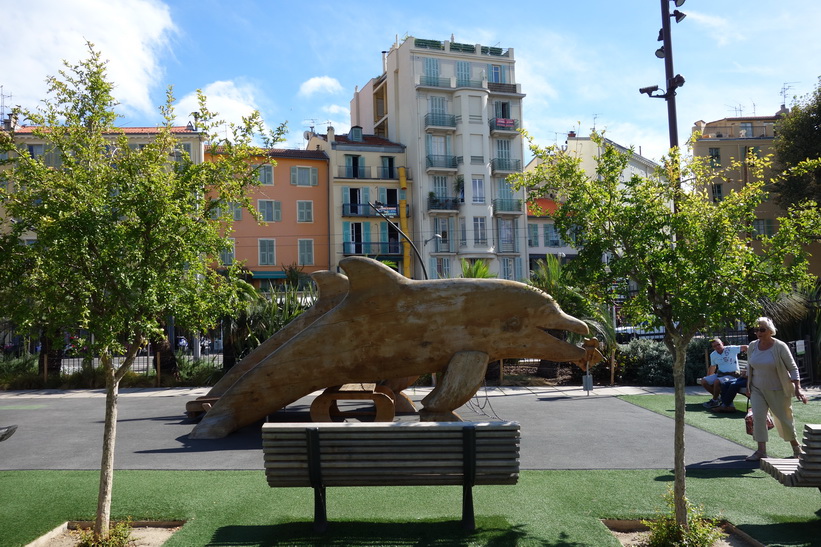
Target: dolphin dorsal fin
(366,275)
(331,284)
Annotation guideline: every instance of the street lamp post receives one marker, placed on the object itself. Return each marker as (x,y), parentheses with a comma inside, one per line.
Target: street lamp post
(673,81)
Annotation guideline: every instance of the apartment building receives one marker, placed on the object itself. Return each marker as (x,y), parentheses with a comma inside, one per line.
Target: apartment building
(542,236)
(729,139)
(369,197)
(292,199)
(457,108)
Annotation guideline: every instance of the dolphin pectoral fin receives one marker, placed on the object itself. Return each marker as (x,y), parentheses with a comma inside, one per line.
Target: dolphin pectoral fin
(463,376)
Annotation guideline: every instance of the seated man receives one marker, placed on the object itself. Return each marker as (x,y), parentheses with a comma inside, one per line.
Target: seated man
(728,392)
(723,368)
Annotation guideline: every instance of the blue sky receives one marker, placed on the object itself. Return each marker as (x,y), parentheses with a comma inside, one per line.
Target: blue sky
(580,63)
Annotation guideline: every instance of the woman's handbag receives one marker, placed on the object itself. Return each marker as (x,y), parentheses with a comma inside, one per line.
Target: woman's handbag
(748,419)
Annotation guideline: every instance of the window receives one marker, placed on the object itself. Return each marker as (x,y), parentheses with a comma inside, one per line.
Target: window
(551,236)
(442,227)
(507,267)
(306,252)
(764,227)
(479,231)
(355,167)
(532,235)
(495,74)
(267,252)
(745,130)
(355,134)
(227,255)
(478,185)
(431,67)
(265,174)
(304,176)
(715,157)
(236,210)
(304,211)
(501,109)
(442,267)
(718,192)
(440,186)
(270,210)
(507,235)
(462,73)
(388,171)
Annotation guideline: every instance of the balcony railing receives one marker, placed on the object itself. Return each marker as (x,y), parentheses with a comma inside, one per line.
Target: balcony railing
(369,172)
(760,131)
(461,82)
(368,248)
(364,210)
(441,162)
(501,88)
(503,124)
(507,205)
(443,204)
(506,164)
(440,120)
(507,247)
(434,81)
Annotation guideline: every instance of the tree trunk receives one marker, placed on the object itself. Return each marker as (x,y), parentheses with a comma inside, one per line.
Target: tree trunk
(112,383)
(50,353)
(679,484)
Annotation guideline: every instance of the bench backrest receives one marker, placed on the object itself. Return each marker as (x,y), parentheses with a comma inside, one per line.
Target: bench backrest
(390,453)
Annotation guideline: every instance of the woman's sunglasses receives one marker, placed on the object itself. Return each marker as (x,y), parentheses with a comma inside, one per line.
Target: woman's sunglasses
(761,329)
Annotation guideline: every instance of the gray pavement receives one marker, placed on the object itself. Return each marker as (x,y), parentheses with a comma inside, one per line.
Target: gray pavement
(562,428)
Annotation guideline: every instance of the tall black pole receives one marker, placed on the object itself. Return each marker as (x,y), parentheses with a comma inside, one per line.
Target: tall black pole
(669,74)
(403,234)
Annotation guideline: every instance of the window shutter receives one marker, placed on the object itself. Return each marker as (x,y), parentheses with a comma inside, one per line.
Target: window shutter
(346,236)
(366,195)
(383,194)
(451,233)
(294,176)
(383,235)
(517,269)
(432,268)
(366,232)
(346,194)
(277,211)
(314,176)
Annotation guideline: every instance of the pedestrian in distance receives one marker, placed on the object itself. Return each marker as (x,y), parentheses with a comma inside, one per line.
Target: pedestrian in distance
(723,369)
(728,392)
(772,380)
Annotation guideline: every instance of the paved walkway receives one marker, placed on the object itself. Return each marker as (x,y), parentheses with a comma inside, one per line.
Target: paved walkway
(562,428)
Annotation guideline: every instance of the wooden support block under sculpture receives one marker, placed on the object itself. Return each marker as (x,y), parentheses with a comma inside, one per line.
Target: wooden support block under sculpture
(391,327)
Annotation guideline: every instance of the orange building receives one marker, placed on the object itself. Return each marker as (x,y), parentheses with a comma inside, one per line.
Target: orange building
(293,201)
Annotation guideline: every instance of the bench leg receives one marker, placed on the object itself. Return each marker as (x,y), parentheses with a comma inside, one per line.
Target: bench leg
(320,513)
(468,520)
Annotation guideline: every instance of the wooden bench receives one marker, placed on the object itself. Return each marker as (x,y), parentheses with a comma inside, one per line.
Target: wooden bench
(319,455)
(804,470)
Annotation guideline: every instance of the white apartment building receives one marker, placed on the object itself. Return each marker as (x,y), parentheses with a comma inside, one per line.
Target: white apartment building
(457,108)
(542,236)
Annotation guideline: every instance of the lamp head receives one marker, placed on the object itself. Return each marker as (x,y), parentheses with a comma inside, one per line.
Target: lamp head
(660,52)
(649,89)
(678,15)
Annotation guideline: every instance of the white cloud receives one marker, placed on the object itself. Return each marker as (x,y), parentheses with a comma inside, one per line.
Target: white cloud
(131,34)
(320,84)
(229,100)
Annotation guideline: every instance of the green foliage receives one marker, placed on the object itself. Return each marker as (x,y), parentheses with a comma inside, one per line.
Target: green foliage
(701,531)
(798,139)
(197,372)
(647,362)
(119,535)
(475,269)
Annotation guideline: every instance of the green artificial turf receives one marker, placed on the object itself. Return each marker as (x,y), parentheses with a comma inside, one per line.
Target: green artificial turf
(545,508)
(730,426)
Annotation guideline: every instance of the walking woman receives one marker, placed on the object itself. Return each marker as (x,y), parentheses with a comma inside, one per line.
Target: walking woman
(772,381)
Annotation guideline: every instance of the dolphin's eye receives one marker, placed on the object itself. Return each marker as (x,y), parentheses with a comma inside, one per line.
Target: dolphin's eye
(512,324)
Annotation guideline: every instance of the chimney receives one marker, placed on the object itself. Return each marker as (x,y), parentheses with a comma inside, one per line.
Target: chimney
(331,134)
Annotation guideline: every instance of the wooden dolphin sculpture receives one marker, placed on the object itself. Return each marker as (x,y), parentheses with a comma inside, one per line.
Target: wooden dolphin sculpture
(389,326)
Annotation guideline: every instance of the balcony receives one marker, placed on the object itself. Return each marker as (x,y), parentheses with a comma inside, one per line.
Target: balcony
(367,248)
(757,131)
(476,84)
(390,210)
(351,172)
(507,206)
(501,88)
(507,247)
(443,204)
(505,165)
(440,162)
(440,120)
(503,125)
(434,81)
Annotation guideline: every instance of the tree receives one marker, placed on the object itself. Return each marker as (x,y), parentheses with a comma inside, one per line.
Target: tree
(798,138)
(475,269)
(125,237)
(690,259)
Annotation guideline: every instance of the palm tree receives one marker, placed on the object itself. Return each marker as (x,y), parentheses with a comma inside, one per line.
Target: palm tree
(476,269)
